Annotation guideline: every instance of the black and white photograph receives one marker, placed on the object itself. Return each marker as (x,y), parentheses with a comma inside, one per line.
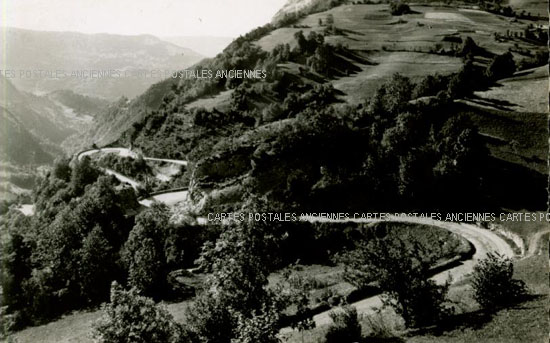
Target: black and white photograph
(274,171)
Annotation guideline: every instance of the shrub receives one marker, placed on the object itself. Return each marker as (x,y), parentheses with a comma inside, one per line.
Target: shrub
(501,66)
(143,253)
(493,282)
(130,317)
(399,8)
(346,327)
(403,275)
(469,46)
(83,173)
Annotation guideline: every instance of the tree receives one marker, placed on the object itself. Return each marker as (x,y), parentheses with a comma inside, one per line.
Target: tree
(465,81)
(398,8)
(236,294)
(321,60)
(83,173)
(302,41)
(62,170)
(132,318)
(143,252)
(460,152)
(98,265)
(501,66)
(402,272)
(493,282)
(16,268)
(345,327)
(261,327)
(393,96)
(300,289)
(469,46)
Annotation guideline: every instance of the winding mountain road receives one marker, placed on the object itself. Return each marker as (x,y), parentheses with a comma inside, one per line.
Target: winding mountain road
(168,198)
(483,240)
(125,152)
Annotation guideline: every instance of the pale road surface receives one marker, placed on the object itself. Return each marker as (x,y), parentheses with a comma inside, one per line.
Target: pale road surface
(27,209)
(121,151)
(535,245)
(124,152)
(168,198)
(123,178)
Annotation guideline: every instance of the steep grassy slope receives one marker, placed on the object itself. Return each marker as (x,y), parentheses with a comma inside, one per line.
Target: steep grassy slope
(406,44)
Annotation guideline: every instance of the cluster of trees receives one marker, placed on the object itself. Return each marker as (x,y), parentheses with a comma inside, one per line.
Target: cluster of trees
(136,168)
(81,238)
(402,273)
(63,257)
(392,151)
(470,77)
(155,247)
(68,254)
(311,50)
(408,149)
(541,58)
(237,304)
(318,55)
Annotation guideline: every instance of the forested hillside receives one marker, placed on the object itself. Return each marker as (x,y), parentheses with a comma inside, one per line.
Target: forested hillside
(367,107)
(342,111)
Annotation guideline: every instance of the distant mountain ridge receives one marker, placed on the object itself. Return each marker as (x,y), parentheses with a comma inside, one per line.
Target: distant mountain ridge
(78,51)
(206,45)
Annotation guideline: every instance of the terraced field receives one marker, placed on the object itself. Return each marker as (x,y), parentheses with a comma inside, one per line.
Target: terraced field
(404,44)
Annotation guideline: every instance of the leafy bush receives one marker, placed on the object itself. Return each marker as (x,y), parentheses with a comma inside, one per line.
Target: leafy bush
(399,8)
(493,282)
(136,168)
(501,66)
(430,85)
(345,327)
(155,247)
(83,173)
(469,46)
(132,318)
(400,270)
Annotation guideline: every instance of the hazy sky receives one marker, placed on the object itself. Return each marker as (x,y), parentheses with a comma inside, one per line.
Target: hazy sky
(158,17)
